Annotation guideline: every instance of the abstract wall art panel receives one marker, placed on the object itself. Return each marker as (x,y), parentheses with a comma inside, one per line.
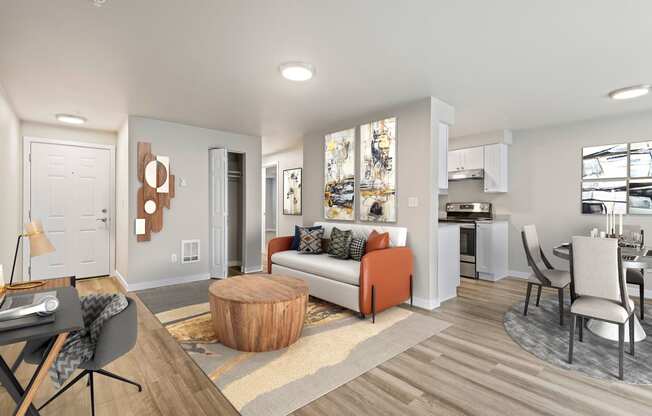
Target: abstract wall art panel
(292,191)
(604,162)
(601,197)
(155,193)
(378,171)
(339,175)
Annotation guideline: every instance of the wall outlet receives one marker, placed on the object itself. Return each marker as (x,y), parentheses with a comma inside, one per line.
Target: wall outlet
(413,202)
(173,258)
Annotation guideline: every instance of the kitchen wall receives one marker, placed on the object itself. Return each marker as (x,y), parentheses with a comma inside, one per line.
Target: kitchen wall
(416,169)
(149,263)
(545,180)
(288,159)
(10,186)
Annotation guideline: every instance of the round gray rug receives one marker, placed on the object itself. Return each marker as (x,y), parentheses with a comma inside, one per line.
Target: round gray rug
(540,334)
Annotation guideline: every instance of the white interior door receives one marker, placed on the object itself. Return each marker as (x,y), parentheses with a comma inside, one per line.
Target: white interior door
(218,212)
(70,194)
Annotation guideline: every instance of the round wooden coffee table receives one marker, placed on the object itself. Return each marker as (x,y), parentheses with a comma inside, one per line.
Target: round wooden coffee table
(258,313)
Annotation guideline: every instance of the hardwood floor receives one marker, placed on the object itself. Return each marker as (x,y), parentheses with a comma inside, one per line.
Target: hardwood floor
(473,367)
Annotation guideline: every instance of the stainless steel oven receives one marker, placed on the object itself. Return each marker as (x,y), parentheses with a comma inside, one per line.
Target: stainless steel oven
(467,213)
(467,250)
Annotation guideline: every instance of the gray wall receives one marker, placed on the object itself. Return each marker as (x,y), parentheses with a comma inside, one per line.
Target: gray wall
(10,186)
(288,159)
(416,175)
(545,177)
(123,227)
(187,147)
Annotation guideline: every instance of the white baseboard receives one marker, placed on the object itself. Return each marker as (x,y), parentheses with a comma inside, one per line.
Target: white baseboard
(519,275)
(255,269)
(167,281)
(428,304)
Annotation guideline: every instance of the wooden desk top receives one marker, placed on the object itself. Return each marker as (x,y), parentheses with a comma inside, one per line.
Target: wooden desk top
(259,289)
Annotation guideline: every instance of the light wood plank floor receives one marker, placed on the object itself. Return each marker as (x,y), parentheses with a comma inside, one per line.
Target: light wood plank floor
(473,367)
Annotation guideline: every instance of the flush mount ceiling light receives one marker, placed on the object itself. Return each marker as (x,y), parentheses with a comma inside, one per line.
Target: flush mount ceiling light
(630,92)
(70,119)
(297,71)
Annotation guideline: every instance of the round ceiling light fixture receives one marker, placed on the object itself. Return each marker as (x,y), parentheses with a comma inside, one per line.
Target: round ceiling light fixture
(630,92)
(70,119)
(297,71)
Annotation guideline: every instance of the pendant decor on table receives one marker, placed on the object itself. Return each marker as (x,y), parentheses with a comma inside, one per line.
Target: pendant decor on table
(155,193)
(339,175)
(292,191)
(378,171)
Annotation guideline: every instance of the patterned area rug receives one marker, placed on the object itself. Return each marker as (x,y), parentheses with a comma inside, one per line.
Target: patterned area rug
(540,334)
(336,346)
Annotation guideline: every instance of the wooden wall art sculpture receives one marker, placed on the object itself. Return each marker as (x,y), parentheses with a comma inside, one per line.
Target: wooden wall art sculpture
(155,193)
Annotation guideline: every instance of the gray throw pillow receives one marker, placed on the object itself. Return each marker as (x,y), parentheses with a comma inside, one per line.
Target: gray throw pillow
(340,243)
(310,241)
(358,247)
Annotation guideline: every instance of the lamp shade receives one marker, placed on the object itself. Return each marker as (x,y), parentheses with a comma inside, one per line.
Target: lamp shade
(38,242)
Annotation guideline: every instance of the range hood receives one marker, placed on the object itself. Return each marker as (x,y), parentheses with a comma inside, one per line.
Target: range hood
(461,175)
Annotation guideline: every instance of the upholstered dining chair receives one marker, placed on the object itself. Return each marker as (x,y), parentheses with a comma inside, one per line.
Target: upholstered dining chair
(543,274)
(599,290)
(637,276)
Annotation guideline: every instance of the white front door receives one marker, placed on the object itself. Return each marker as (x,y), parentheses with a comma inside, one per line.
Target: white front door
(218,207)
(70,194)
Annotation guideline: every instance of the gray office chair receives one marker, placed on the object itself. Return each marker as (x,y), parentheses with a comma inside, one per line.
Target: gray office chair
(543,274)
(118,337)
(599,290)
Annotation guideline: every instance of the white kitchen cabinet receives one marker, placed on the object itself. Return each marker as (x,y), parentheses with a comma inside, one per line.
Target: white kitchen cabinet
(448,260)
(491,250)
(466,159)
(443,156)
(495,167)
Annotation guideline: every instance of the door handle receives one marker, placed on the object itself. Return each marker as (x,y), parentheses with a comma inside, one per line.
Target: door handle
(101,219)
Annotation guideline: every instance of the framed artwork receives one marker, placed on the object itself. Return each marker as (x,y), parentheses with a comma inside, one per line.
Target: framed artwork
(601,197)
(339,175)
(640,160)
(640,196)
(292,196)
(378,171)
(603,162)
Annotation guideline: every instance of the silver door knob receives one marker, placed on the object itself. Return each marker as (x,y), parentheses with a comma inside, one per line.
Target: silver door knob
(102,219)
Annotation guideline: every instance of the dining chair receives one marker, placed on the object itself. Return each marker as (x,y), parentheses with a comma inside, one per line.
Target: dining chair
(543,274)
(599,290)
(637,276)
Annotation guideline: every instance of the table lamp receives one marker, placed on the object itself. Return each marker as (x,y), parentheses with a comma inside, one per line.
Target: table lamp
(38,246)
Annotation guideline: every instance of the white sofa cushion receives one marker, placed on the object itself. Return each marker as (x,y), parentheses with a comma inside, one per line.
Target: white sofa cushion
(345,271)
(397,235)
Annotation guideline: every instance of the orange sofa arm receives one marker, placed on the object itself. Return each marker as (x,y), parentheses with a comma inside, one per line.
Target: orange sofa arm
(274,246)
(389,271)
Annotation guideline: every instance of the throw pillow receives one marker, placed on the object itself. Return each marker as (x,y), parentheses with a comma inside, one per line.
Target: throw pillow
(340,243)
(297,238)
(377,241)
(310,240)
(358,248)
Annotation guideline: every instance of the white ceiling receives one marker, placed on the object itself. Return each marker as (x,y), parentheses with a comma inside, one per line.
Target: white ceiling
(501,63)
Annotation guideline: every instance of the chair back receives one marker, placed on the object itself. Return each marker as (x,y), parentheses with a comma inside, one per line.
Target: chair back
(596,269)
(118,336)
(532,247)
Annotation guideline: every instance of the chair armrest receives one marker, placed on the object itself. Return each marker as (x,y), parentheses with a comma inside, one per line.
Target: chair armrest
(389,271)
(274,246)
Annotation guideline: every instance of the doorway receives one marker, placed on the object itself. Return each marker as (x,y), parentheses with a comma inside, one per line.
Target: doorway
(69,186)
(227,213)
(270,202)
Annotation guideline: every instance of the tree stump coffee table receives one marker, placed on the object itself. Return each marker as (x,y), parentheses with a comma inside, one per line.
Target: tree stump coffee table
(258,313)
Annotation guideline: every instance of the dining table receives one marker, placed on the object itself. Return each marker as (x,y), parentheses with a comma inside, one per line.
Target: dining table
(639,258)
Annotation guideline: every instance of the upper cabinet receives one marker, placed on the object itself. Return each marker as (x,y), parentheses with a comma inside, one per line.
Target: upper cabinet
(495,168)
(465,159)
(443,156)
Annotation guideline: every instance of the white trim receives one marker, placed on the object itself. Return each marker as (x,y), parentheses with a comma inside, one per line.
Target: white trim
(263,242)
(27,145)
(428,304)
(167,281)
(121,280)
(255,269)
(518,275)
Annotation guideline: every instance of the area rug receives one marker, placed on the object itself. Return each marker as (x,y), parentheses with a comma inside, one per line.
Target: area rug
(540,334)
(335,347)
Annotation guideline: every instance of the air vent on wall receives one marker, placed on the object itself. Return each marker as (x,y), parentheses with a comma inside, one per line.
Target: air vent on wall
(189,251)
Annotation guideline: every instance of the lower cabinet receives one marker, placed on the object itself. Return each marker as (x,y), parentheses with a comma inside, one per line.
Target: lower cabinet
(491,250)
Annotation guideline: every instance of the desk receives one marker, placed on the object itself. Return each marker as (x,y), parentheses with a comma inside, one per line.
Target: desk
(633,258)
(67,318)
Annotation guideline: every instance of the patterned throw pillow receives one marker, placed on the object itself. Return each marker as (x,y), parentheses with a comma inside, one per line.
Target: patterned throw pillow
(310,241)
(358,248)
(340,243)
(297,238)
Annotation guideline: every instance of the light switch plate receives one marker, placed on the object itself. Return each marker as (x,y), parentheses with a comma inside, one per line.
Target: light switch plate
(413,202)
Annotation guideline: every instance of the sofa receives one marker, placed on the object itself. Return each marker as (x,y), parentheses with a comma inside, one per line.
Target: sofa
(382,279)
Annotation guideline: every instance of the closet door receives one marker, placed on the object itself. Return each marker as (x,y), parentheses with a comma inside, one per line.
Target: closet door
(218,212)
